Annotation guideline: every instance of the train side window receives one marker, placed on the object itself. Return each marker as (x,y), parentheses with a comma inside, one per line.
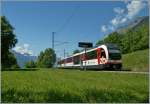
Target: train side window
(103,54)
(82,57)
(76,59)
(68,60)
(92,55)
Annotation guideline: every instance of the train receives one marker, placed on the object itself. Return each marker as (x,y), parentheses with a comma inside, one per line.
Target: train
(105,56)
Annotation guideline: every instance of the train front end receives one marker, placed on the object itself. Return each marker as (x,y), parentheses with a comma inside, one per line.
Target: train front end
(114,57)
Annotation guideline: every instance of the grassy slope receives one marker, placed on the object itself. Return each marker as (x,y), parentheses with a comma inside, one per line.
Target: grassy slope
(73,86)
(137,61)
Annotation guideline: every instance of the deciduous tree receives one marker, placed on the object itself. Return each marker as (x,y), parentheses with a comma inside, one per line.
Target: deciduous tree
(8,41)
(47,58)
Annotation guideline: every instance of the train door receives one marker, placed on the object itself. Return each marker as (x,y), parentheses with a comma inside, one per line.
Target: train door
(98,55)
(81,60)
(103,56)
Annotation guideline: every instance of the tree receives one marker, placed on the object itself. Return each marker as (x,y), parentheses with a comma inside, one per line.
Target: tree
(47,58)
(113,38)
(30,64)
(76,51)
(11,63)
(125,43)
(100,42)
(8,41)
(143,32)
(12,60)
(16,66)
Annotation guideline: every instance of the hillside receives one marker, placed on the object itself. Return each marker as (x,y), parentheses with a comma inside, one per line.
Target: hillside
(137,61)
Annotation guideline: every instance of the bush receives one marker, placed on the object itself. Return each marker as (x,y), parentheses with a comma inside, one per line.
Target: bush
(15,66)
(30,64)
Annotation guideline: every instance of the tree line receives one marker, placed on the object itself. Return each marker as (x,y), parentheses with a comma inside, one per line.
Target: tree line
(46,59)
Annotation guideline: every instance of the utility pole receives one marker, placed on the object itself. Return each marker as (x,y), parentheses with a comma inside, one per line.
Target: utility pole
(64,57)
(67,54)
(85,59)
(53,40)
(64,53)
(53,45)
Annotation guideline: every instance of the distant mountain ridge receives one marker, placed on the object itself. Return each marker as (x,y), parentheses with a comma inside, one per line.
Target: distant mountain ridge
(23,58)
(133,24)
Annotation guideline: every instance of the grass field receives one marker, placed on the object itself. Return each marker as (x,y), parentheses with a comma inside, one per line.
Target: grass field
(137,61)
(47,85)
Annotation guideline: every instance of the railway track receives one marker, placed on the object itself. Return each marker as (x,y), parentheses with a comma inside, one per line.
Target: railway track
(126,72)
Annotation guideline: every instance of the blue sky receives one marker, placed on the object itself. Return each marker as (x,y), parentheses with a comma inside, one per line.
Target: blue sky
(73,22)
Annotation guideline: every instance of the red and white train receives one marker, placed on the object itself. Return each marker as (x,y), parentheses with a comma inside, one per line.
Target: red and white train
(101,57)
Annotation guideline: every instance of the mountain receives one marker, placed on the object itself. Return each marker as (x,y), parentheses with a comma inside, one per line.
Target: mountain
(133,24)
(23,58)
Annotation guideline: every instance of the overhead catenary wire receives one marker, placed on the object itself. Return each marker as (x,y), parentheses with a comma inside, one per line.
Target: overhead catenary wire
(63,26)
(62,43)
(67,20)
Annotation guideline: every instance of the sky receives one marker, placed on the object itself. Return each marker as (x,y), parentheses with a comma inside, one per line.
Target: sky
(72,22)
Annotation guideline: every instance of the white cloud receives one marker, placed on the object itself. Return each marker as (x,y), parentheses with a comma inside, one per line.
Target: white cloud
(134,7)
(26,45)
(119,17)
(119,10)
(118,20)
(126,1)
(104,28)
(24,49)
(123,15)
(115,21)
(112,28)
(123,20)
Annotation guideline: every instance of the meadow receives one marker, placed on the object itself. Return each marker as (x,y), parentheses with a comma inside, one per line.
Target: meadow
(58,86)
(137,61)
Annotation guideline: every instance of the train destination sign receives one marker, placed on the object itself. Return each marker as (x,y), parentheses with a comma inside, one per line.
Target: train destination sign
(85,44)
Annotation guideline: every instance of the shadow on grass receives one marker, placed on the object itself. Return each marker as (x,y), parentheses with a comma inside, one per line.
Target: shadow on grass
(57,96)
(22,69)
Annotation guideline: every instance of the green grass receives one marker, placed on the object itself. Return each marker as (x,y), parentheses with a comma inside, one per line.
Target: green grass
(73,86)
(137,61)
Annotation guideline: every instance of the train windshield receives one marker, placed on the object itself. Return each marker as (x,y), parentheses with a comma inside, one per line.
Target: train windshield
(112,47)
(114,54)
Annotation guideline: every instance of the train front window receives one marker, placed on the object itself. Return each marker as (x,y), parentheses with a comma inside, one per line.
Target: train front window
(112,47)
(103,53)
(114,55)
